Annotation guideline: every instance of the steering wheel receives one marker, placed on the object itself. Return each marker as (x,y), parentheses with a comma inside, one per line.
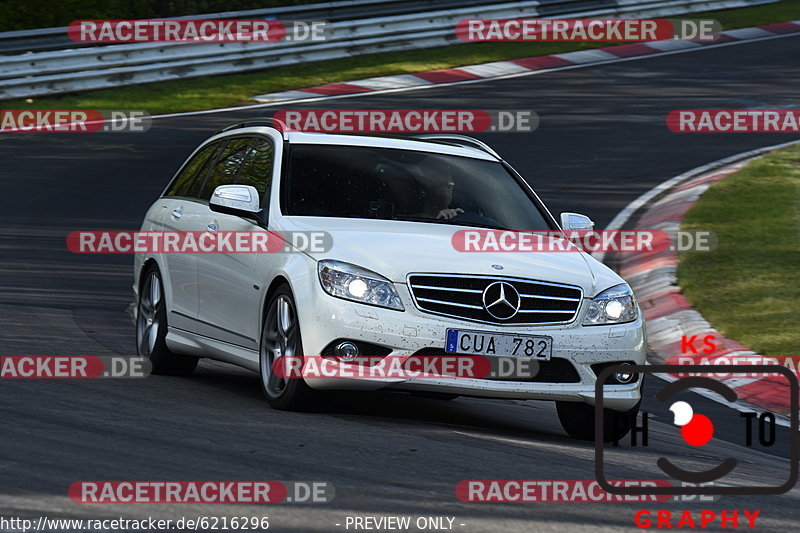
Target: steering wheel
(475,218)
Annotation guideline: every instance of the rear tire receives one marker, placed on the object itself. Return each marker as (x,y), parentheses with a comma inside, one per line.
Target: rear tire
(577,419)
(280,337)
(151,329)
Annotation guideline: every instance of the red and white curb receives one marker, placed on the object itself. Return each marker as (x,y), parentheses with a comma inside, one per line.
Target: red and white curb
(669,315)
(527,65)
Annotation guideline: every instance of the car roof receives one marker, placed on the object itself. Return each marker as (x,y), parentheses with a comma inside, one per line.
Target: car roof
(457,145)
(378,141)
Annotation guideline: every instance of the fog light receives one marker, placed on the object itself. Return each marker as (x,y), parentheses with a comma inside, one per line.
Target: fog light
(625,377)
(346,350)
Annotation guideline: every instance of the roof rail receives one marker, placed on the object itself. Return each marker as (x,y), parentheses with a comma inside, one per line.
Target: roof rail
(461,140)
(260,121)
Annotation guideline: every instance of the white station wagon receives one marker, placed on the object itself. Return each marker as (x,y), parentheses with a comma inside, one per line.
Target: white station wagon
(391,281)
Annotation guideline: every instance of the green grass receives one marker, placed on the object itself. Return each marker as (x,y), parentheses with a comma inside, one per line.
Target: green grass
(232,90)
(749,286)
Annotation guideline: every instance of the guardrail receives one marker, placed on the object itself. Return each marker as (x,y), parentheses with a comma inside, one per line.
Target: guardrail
(45,39)
(402,25)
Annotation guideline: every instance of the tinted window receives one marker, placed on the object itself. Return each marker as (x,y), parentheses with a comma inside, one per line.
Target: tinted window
(226,167)
(391,184)
(257,170)
(192,173)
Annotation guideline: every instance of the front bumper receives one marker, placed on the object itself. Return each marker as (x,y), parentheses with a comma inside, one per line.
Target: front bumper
(324,319)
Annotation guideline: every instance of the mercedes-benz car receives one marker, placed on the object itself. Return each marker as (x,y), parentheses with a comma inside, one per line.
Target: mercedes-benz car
(391,282)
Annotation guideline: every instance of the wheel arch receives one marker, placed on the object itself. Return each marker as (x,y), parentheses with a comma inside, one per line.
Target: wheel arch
(150,261)
(279,280)
(145,267)
(165,280)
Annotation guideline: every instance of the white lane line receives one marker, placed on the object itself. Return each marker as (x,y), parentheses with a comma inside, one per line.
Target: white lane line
(586,453)
(283,96)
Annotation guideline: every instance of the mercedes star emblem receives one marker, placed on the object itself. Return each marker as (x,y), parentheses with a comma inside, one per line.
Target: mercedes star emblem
(501,300)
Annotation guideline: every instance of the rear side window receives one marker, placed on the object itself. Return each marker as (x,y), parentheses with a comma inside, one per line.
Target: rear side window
(257,170)
(186,183)
(226,168)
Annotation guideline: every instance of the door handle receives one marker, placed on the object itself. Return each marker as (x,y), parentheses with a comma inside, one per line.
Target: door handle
(177,213)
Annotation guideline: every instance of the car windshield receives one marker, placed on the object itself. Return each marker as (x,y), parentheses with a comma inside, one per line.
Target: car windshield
(394,184)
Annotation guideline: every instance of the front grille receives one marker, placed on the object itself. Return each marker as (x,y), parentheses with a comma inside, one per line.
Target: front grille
(461,296)
(554,370)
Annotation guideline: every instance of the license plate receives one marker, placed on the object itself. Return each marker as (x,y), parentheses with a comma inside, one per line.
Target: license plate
(499,344)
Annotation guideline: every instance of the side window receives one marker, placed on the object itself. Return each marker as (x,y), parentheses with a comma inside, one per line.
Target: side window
(226,167)
(192,173)
(257,170)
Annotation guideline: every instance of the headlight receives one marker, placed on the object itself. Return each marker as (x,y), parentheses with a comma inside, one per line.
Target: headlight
(350,282)
(616,305)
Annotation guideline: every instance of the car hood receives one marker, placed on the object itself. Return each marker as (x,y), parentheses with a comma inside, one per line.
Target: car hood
(395,249)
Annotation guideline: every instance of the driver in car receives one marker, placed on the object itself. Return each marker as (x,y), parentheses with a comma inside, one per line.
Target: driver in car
(436,185)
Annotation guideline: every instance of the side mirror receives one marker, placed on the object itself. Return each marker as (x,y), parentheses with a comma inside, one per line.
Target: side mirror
(576,221)
(241,200)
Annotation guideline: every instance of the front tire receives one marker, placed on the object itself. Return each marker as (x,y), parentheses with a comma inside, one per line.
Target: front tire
(151,329)
(280,337)
(577,419)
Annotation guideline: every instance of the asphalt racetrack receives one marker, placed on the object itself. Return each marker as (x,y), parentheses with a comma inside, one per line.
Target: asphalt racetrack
(601,143)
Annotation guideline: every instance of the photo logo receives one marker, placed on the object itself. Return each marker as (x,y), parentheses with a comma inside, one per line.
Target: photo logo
(696,430)
(694,474)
